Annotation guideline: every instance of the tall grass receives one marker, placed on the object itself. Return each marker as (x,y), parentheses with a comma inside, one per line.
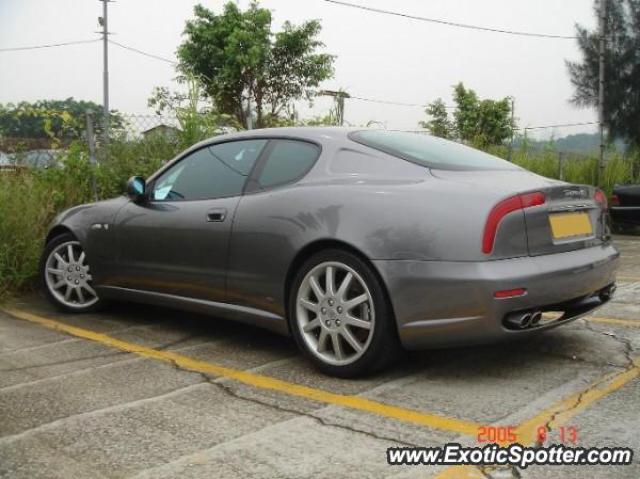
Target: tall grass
(573,168)
(31,198)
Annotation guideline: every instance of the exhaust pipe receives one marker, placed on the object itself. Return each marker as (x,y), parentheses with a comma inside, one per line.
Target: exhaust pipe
(607,293)
(536,316)
(519,320)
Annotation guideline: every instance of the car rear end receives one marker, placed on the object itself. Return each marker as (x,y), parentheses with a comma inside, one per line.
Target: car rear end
(571,261)
(567,271)
(537,253)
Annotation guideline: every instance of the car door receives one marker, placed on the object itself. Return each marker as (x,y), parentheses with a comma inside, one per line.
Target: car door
(177,241)
(265,233)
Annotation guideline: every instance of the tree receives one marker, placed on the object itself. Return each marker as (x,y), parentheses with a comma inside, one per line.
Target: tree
(240,60)
(439,124)
(622,70)
(60,119)
(480,122)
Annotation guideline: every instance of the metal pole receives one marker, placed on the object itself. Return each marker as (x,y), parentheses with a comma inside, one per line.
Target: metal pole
(338,99)
(512,126)
(603,20)
(561,165)
(92,153)
(105,72)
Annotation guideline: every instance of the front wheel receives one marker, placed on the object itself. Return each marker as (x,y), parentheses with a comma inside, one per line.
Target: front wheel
(66,276)
(340,315)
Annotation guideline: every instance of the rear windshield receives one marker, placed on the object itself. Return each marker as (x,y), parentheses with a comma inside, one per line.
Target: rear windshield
(430,151)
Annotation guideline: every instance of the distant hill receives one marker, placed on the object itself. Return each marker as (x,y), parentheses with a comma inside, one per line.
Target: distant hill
(578,143)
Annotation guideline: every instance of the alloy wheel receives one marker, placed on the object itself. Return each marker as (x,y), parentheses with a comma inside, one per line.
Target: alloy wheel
(68,278)
(335,313)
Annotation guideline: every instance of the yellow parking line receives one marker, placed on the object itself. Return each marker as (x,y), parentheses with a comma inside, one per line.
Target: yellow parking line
(259,381)
(558,413)
(461,472)
(628,279)
(565,409)
(618,321)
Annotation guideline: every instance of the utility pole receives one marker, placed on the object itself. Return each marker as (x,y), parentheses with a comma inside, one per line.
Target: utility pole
(92,153)
(561,165)
(602,23)
(103,21)
(339,97)
(513,101)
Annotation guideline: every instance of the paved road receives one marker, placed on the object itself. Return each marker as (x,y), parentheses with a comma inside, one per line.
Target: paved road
(152,393)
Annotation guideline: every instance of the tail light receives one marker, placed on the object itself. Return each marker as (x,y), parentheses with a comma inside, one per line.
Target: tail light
(614,200)
(600,198)
(502,209)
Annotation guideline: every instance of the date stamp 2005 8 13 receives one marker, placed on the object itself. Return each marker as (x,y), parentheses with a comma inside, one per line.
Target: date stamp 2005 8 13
(508,434)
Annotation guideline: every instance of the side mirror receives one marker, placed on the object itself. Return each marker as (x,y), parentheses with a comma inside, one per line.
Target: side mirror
(136,189)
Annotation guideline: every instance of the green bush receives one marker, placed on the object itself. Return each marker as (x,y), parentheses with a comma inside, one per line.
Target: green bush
(31,198)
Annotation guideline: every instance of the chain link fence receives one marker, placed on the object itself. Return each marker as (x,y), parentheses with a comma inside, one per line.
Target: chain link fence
(45,151)
(136,127)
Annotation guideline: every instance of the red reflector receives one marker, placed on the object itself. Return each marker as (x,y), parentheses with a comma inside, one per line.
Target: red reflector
(600,198)
(510,293)
(501,210)
(614,200)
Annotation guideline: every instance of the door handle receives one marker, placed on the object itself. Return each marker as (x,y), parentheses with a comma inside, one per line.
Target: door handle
(216,215)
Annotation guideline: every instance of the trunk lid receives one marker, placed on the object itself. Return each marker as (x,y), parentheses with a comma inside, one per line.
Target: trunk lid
(570,218)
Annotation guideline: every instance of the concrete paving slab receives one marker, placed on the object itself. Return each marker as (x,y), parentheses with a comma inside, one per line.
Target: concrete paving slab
(16,335)
(32,405)
(613,421)
(127,439)
(298,448)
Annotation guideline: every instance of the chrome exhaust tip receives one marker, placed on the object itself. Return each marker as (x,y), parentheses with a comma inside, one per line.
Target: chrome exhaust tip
(519,320)
(536,316)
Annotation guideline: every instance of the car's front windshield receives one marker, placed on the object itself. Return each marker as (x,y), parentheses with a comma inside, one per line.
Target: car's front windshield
(430,151)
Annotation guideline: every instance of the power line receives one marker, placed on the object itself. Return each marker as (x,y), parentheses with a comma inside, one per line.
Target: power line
(389,102)
(452,107)
(150,55)
(386,102)
(50,45)
(561,125)
(451,24)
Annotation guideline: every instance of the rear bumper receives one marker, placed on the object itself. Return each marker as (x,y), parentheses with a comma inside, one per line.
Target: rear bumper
(625,214)
(448,303)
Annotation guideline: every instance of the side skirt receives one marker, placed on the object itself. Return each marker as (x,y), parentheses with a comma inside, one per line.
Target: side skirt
(243,314)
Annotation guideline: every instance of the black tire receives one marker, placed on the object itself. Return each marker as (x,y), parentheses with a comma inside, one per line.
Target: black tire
(384,345)
(49,248)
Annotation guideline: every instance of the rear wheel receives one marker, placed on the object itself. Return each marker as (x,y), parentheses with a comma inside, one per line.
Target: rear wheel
(340,316)
(66,275)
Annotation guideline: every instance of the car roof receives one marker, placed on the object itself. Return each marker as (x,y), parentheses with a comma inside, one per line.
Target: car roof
(313,133)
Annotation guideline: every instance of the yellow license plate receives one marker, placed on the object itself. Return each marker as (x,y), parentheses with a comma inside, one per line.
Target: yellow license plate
(566,225)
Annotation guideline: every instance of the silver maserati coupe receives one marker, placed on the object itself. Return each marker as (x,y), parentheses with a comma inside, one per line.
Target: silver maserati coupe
(355,242)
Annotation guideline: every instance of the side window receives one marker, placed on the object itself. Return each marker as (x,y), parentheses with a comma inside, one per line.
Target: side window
(211,172)
(288,161)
